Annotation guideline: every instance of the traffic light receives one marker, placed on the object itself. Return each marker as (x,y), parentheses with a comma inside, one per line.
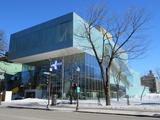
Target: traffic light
(47,77)
(74,86)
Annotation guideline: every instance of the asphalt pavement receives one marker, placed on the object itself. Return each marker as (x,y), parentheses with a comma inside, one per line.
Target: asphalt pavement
(31,114)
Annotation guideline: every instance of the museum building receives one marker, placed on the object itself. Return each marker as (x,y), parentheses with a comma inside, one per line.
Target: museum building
(55,45)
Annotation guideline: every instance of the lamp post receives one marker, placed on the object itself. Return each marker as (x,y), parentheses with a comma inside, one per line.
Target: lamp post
(49,82)
(49,85)
(55,67)
(0,93)
(77,88)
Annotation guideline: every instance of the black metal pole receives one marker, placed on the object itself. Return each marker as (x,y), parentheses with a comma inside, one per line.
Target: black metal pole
(49,86)
(62,76)
(0,92)
(0,97)
(77,107)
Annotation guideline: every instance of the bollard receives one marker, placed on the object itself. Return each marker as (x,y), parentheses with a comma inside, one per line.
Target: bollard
(127,96)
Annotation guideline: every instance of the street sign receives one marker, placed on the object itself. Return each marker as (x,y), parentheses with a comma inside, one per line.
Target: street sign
(46,73)
(78,89)
(148,81)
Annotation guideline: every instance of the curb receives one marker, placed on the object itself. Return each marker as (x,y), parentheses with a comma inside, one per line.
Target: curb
(106,108)
(33,108)
(83,111)
(152,116)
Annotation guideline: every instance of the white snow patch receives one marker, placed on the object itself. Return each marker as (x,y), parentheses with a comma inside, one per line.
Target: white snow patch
(150,102)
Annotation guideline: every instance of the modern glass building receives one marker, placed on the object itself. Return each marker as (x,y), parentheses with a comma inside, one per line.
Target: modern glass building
(54,43)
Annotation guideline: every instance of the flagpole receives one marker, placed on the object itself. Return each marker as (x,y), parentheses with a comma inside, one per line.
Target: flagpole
(62,74)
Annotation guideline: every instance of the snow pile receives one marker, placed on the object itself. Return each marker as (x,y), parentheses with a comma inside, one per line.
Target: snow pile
(151,98)
(91,104)
(28,102)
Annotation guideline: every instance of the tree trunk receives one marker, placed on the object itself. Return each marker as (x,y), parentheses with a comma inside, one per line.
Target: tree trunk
(117,86)
(104,82)
(70,95)
(143,92)
(108,96)
(107,93)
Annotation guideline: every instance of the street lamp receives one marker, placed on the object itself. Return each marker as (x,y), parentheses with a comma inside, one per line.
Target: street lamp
(49,85)
(49,75)
(77,88)
(1,97)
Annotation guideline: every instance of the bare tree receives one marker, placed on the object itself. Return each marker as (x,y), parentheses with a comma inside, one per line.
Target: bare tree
(121,76)
(3,44)
(158,73)
(144,88)
(121,40)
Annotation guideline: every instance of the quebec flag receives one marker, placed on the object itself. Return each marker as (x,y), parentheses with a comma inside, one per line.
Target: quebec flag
(56,64)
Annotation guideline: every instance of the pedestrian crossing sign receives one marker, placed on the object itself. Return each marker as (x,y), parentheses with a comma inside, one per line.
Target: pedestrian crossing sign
(78,89)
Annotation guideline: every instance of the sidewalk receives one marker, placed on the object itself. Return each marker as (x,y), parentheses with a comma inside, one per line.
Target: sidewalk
(92,110)
(89,106)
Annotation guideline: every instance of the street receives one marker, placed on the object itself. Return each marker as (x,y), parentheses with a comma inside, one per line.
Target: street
(29,114)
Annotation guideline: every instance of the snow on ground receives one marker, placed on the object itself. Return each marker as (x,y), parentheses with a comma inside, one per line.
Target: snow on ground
(27,102)
(150,102)
(151,98)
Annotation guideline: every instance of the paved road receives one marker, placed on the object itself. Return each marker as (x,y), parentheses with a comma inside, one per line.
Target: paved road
(29,114)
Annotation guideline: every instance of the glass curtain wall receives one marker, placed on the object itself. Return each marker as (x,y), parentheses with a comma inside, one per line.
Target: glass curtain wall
(65,74)
(93,77)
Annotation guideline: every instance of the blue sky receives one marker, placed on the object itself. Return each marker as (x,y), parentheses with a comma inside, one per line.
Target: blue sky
(16,15)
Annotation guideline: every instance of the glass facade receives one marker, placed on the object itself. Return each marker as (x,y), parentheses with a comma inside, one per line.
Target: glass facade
(64,75)
(55,34)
